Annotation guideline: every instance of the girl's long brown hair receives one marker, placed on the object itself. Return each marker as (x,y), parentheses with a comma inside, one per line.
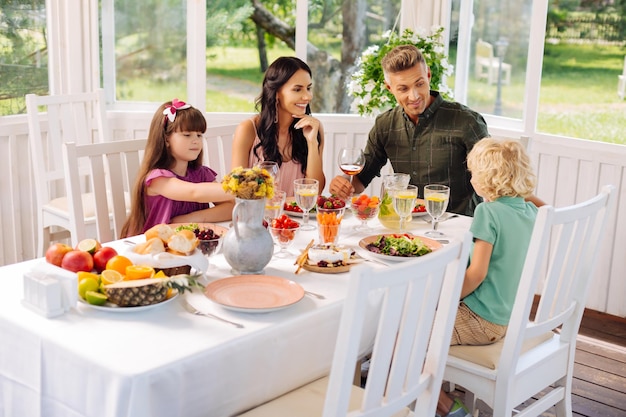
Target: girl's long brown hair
(157,156)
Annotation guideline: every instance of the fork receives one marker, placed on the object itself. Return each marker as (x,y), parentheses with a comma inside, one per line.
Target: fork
(197,312)
(314,294)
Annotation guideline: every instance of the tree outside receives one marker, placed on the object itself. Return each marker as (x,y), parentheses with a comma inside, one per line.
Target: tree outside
(244,36)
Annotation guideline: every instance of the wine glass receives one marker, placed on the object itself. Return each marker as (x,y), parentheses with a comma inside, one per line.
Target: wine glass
(437,197)
(403,203)
(351,161)
(306,191)
(273,169)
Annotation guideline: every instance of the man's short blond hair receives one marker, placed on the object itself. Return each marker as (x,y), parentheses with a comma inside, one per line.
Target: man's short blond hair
(501,168)
(401,58)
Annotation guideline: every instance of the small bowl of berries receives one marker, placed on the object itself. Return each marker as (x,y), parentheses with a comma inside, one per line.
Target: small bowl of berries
(210,241)
(364,208)
(283,230)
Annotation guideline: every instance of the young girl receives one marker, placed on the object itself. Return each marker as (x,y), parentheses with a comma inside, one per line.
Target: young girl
(502,175)
(173,186)
(283,131)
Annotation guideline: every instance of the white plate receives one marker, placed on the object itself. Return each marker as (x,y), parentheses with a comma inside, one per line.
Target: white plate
(254,293)
(422,213)
(114,308)
(289,201)
(432,244)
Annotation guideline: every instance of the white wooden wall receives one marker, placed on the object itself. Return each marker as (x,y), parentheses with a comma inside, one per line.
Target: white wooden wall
(569,171)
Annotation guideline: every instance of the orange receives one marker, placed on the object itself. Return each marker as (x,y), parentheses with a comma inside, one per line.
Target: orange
(119,263)
(139,272)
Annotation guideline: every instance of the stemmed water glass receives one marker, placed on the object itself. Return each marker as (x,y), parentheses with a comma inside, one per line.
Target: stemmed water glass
(273,169)
(306,191)
(437,197)
(403,203)
(274,205)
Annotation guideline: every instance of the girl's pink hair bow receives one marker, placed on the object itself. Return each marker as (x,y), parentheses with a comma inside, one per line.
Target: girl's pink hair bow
(170,111)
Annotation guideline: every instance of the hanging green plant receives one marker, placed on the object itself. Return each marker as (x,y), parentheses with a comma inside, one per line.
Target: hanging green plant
(367,85)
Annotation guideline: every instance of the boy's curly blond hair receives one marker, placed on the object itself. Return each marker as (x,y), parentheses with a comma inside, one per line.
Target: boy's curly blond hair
(501,168)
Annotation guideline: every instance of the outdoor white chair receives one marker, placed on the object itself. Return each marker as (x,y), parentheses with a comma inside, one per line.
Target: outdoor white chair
(537,355)
(218,145)
(79,118)
(112,169)
(621,82)
(419,298)
(486,65)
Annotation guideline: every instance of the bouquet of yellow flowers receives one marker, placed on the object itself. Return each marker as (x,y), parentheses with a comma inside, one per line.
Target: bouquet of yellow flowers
(249,183)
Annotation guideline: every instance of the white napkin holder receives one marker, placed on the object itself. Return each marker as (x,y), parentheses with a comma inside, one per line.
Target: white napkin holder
(49,290)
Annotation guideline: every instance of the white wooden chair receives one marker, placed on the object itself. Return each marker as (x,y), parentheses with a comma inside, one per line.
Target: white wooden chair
(112,169)
(534,357)
(218,148)
(486,65)
(419,298)
(78,118)
(621,82)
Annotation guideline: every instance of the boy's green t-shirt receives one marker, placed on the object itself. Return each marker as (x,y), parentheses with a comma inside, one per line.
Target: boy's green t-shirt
(507,223)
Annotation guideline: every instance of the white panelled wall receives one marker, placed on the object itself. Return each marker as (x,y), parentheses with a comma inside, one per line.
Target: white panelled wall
(569,171)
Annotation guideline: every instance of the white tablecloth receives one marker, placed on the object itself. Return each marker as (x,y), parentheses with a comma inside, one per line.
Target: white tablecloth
(165,361)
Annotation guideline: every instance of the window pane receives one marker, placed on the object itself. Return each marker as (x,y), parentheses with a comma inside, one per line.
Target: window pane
(23,54)
(338,38)
(499,50)
(150,50)
(584,54)
(239,50)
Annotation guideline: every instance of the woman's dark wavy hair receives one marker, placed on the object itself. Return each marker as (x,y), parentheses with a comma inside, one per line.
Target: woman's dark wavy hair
(278,73)
(158,156)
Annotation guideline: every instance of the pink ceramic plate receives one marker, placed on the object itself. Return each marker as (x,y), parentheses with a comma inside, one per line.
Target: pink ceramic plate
(254,293)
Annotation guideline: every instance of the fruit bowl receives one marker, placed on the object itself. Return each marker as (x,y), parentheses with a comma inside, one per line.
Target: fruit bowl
(283,235)
(210,242)
(364,209)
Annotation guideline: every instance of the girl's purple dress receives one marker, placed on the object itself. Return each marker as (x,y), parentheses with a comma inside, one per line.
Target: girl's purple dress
(160,209)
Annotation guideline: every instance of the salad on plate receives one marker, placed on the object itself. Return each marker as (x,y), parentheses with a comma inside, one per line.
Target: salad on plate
(400,245)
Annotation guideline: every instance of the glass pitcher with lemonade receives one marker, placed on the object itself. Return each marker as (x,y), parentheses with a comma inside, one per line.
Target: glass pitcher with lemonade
(386,214)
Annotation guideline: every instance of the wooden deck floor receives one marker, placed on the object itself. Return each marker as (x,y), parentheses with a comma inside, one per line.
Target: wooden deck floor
(599,386)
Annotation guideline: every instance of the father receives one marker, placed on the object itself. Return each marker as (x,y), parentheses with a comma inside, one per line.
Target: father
(425,136)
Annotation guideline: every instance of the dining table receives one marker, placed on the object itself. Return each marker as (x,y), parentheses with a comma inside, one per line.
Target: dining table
(165,361)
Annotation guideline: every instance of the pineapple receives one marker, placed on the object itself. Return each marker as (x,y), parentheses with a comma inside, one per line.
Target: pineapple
(143,292)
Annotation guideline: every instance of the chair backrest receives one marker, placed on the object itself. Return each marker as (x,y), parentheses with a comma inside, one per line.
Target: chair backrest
(573,235)
(484,49)
(419,298)
(79,118)
(218,145)
(113,167)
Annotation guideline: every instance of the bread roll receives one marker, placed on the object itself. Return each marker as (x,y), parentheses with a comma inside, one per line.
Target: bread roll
(183,242)
(150,247)
(162,231)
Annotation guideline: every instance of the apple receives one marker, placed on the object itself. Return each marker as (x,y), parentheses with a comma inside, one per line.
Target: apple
(56,252)
(102,256)
(77,260)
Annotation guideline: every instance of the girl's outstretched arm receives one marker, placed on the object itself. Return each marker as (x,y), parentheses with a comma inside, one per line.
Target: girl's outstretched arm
(179,190)
(219,213)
